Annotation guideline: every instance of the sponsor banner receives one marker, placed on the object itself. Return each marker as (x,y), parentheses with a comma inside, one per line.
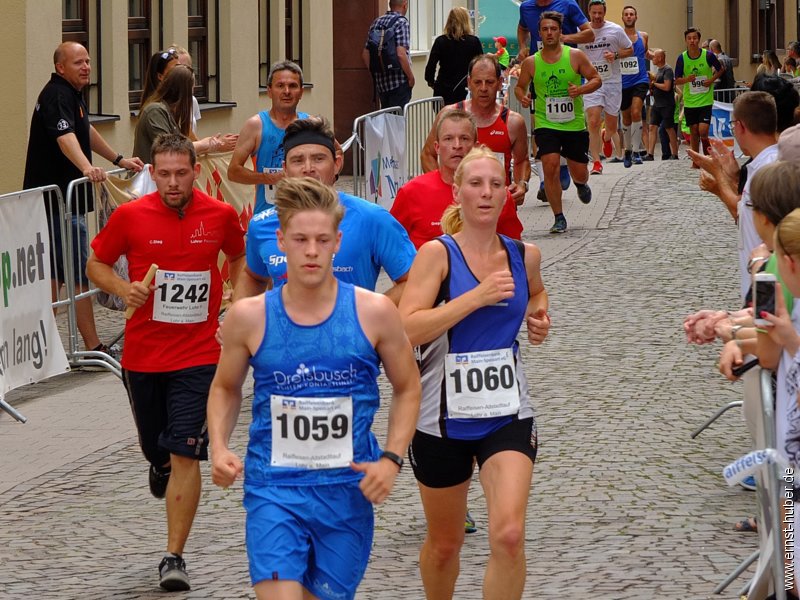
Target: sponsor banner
(747,465)
(30,346)
(721,128)
(385,157)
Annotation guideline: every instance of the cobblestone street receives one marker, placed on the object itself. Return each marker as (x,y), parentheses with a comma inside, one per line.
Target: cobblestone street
(624,504)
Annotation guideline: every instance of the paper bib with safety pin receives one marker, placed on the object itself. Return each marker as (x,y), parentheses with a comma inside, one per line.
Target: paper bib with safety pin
(181,296)
(603,69)
(629,66)
(269,189)
(697,87)
(481,385)
(559,110)
(312,433)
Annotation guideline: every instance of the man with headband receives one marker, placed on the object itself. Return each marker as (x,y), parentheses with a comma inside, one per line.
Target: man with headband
(371,238)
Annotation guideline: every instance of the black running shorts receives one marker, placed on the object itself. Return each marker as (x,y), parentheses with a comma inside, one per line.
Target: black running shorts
(573,145)
(635,91)
(170,411)
(697,116)
(444,462)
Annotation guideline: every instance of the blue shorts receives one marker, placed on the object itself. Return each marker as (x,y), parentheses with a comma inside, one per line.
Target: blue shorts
(320,536)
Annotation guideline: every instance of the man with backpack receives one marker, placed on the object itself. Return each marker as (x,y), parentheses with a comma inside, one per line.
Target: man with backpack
(387,55)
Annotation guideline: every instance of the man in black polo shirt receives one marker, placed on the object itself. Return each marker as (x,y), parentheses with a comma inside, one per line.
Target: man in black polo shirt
(60,150)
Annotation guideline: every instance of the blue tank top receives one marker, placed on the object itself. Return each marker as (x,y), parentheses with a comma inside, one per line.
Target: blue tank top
(333,358)
(488,328)
(641,76)
(269,155)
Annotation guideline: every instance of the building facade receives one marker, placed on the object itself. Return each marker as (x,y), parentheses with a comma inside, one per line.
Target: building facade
(233,42)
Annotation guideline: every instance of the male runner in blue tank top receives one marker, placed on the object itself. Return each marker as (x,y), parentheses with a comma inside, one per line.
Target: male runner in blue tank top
(635,85)
(313,467)
(261,139)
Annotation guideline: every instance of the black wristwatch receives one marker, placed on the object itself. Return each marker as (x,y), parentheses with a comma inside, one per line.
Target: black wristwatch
(398,460)
(117,160)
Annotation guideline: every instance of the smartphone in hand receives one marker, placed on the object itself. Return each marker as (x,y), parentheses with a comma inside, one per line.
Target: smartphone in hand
(763,297)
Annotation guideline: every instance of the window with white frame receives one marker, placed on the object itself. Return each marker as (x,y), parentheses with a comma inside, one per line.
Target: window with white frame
(427,19)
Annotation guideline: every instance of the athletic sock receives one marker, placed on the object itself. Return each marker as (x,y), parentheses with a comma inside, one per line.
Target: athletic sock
(581,185)
(636,135)
(626,137)
(540,170)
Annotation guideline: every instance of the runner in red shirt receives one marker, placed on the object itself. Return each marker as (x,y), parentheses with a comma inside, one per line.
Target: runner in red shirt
(420,202)
(170,353)
(502,130)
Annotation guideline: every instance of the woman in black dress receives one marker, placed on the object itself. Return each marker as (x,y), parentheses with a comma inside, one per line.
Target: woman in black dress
(452,51)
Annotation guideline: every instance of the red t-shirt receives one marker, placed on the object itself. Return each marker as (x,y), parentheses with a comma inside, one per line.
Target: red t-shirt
(420,203)
(148,232)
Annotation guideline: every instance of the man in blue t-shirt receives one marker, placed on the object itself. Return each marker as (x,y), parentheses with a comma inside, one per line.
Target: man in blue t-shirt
(575,29)
(371,237)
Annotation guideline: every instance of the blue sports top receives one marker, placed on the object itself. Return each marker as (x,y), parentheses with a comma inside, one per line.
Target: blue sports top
(488,328)
(371,238)
(529,13)
(332,358)
(641,77)
(269,154)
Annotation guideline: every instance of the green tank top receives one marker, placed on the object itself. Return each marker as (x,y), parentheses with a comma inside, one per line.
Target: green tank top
(695,94)
(553,108)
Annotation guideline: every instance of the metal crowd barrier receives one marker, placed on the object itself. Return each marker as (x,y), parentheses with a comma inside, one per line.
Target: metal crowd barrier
(769,494)
(359,149)
(419,116)
(81,199)
(729,94)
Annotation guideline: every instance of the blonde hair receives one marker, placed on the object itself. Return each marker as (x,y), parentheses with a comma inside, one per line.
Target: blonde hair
(458,24)
(299,194)
(787,234)
(453,217)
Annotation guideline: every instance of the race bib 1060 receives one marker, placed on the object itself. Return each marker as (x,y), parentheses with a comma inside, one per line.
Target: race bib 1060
(481,385)
(181,296)
(312,433)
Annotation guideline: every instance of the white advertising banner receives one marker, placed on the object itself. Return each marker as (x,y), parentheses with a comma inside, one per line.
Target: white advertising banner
(385,157)
(30,347)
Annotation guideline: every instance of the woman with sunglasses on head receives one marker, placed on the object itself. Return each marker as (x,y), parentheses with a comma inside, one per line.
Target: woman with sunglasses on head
(159,65)
(170,111)
(467,294)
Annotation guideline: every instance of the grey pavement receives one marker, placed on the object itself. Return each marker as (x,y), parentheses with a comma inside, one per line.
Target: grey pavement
(623,504)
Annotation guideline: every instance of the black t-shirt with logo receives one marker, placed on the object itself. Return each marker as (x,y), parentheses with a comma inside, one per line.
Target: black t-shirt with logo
(59,110)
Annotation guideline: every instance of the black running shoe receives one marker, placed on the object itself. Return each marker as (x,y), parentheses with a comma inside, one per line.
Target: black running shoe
(159,481)
(172,571)
(584,193)
(541,195)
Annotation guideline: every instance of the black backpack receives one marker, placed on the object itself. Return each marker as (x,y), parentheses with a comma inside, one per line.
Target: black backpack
(382,46)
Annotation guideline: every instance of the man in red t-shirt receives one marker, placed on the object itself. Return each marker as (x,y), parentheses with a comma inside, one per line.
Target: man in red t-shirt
(170,354)
(420,202)
(499,128)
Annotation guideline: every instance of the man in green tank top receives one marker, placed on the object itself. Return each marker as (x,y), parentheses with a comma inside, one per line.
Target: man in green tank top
(556,71)
(697,70)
